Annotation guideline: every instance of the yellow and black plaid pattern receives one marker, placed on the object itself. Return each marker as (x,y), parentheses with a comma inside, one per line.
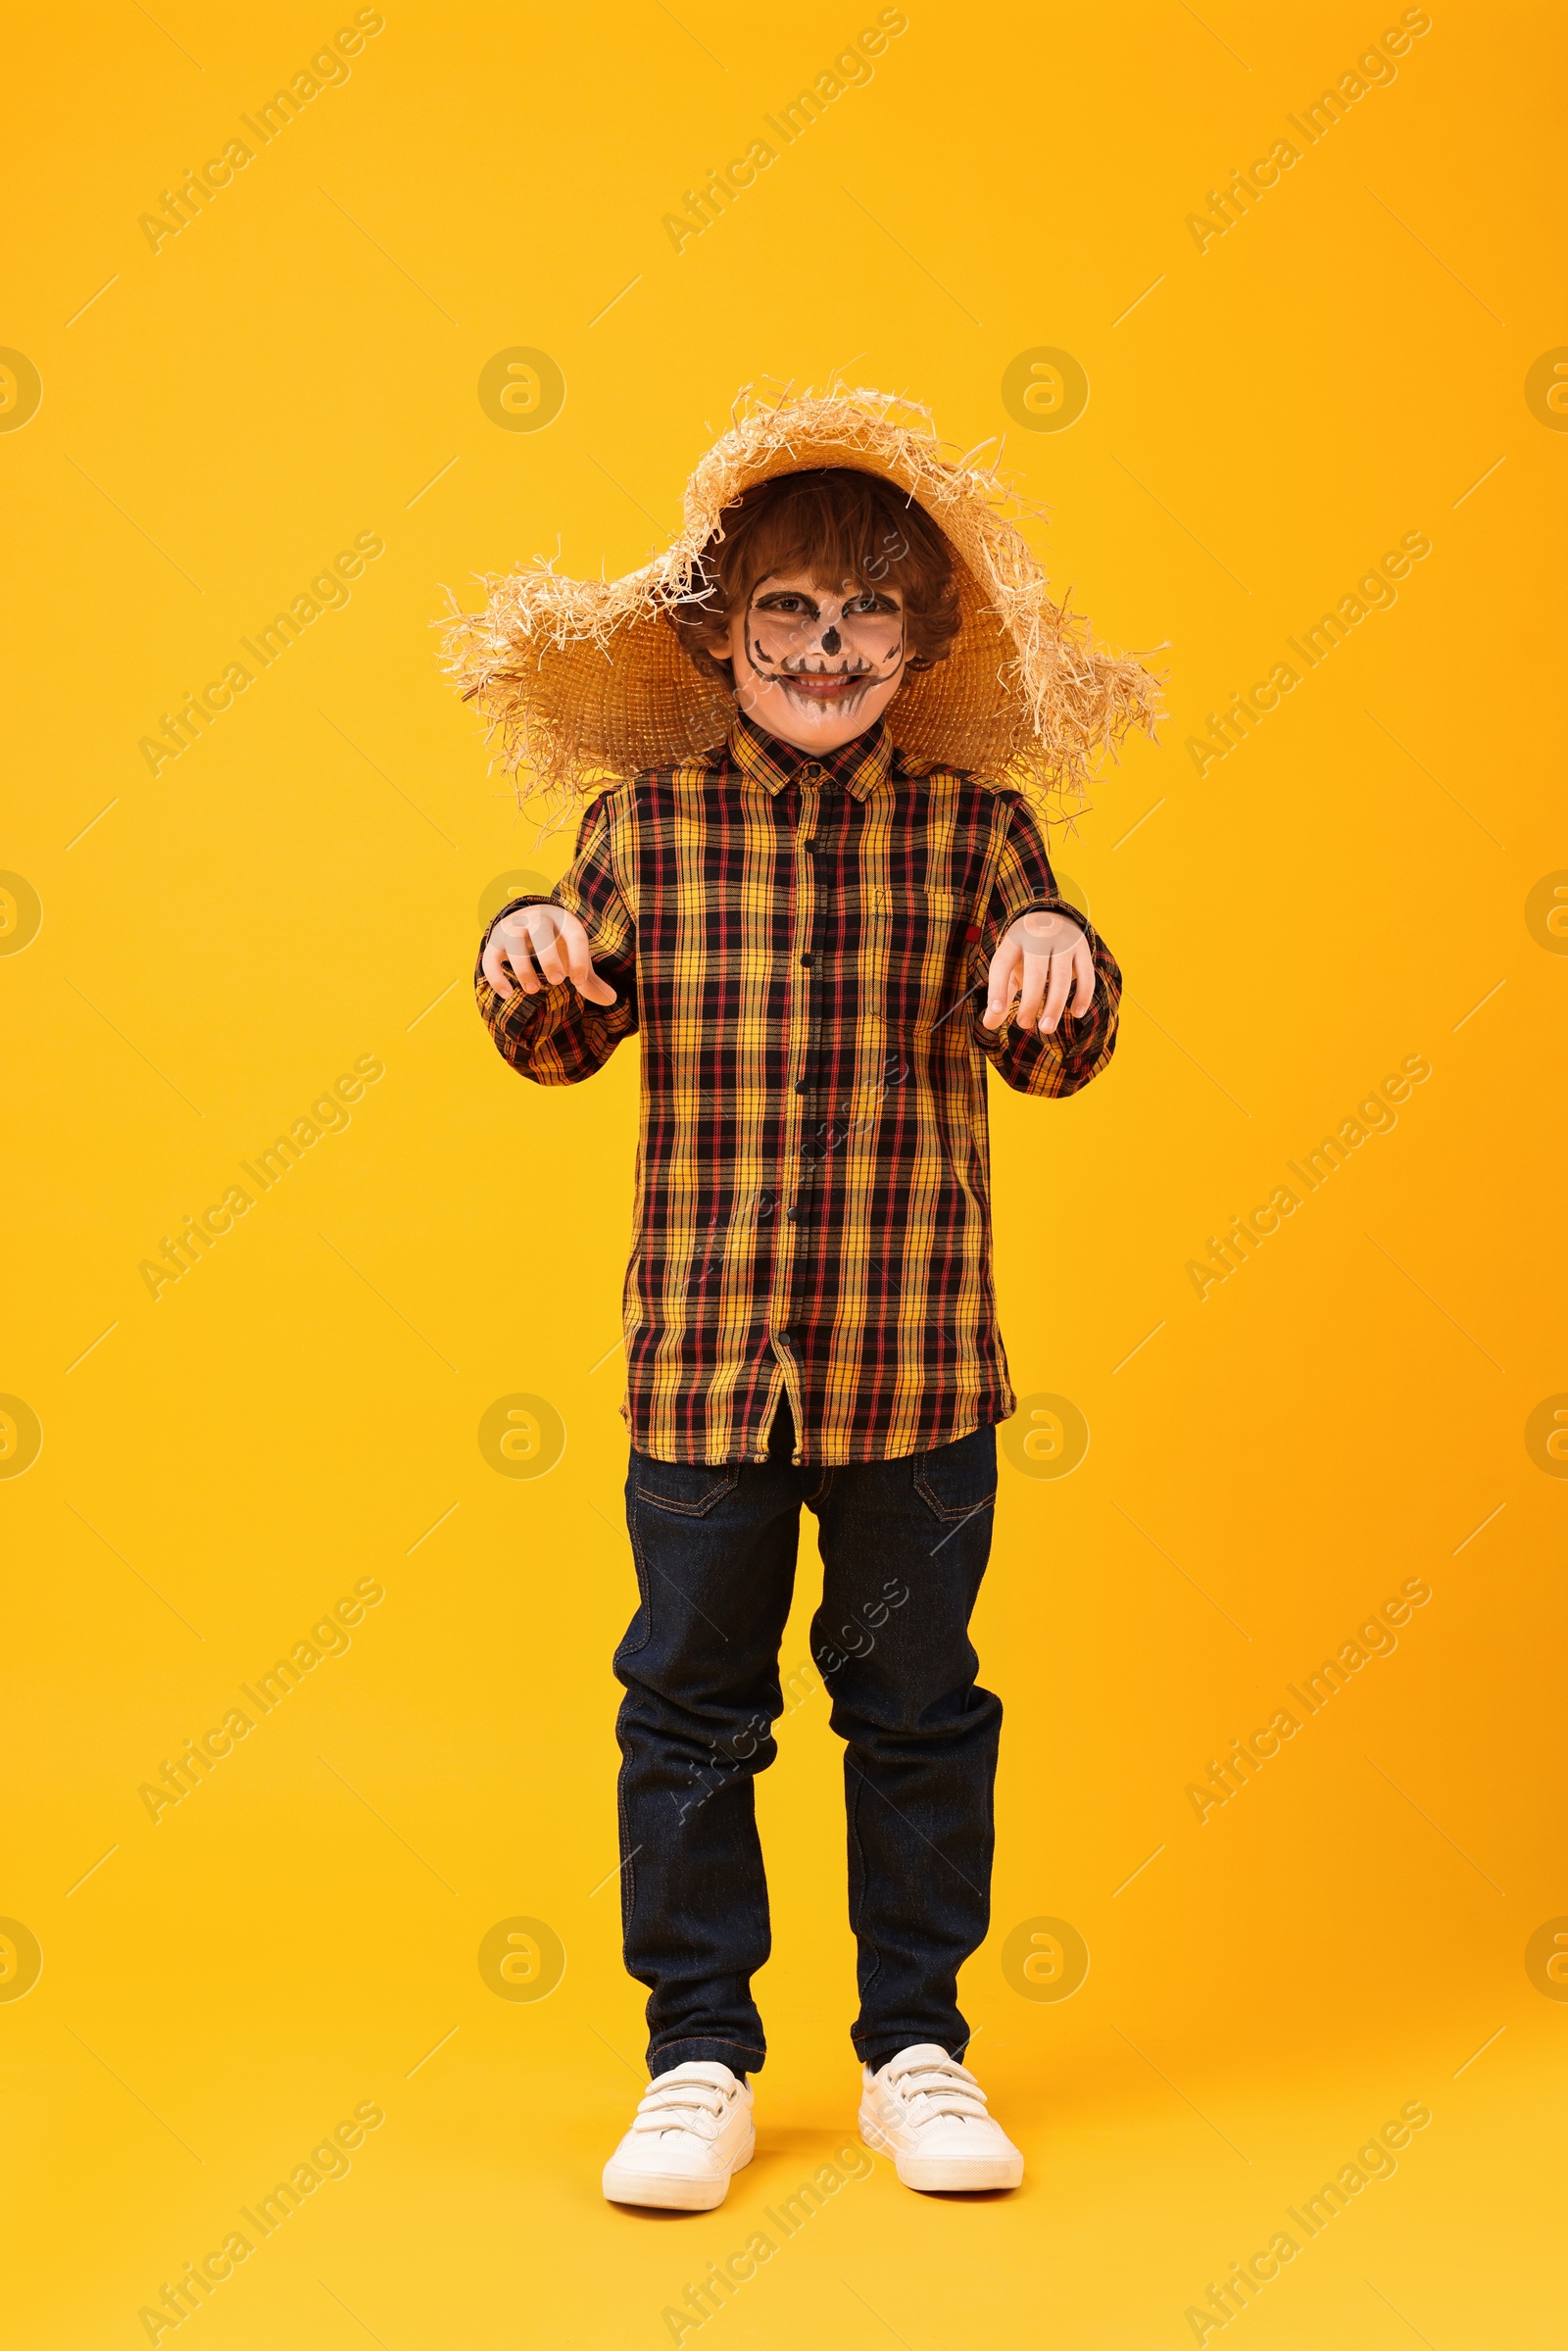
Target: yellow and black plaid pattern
(801,944)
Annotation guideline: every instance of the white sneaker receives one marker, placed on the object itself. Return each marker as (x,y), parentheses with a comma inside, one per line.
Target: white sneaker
(693,2129)
(929,2113)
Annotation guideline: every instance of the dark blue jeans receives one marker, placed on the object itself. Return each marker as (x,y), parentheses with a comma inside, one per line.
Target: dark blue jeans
(903,1547)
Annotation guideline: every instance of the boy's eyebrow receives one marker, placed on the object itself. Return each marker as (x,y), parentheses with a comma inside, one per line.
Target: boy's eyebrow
(766,595)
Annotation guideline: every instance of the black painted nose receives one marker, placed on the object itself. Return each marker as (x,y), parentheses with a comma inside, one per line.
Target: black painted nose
(831,639)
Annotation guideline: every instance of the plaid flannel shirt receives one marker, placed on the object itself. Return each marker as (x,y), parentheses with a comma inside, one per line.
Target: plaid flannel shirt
(802,946)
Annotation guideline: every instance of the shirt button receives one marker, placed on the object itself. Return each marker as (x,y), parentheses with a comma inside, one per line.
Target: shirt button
(801,1086)
(808,960)
(812,845)
(783,1336)
(792,1215)
(811,773)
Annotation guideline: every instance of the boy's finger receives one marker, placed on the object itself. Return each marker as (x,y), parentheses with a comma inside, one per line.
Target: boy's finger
(1003,970)
(1057,993)
(520,954)
(511,960)
(495,970)
(1084,965)
(579,959)
(1036,973)
(584,978)
(547,955)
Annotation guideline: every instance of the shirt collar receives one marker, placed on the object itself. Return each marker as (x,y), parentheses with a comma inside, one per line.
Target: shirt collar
(860,767)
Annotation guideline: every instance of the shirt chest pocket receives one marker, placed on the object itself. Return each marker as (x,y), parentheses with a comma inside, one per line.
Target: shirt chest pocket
(913,954)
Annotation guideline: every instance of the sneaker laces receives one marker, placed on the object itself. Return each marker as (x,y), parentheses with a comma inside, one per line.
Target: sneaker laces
(938,2086)
(684,2099)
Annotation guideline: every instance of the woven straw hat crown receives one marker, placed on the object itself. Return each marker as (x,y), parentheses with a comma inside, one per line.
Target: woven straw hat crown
(584,682)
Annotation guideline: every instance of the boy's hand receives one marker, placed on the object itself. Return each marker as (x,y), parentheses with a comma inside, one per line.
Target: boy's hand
(539,947)
(1043,958)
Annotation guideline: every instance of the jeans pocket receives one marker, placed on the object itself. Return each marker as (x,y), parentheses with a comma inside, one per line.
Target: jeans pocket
(687,1489)
(956,1481)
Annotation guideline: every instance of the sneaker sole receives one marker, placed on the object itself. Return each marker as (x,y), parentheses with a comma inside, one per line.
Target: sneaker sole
(671,2191)
(936,2174)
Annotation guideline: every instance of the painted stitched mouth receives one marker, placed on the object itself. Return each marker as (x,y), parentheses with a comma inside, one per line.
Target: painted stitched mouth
(821,685)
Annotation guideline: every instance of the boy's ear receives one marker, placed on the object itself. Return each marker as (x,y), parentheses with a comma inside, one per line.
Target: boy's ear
(704,633)
(710,630)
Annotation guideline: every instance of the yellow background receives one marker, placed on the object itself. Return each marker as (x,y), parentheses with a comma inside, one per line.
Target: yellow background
(300,887)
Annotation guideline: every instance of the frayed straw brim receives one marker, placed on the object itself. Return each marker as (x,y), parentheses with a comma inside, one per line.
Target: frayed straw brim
(584,682)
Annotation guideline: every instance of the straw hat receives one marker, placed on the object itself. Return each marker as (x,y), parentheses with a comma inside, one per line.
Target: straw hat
(584,681)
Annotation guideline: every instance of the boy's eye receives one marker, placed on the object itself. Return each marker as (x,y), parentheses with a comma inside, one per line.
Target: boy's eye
(871,602)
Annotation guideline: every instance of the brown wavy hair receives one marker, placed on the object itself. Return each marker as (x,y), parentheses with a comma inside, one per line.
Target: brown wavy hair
(837,524)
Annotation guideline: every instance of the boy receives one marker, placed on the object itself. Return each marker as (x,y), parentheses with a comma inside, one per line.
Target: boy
(799,922)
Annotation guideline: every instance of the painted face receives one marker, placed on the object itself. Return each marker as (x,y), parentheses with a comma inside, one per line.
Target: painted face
(818,666)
